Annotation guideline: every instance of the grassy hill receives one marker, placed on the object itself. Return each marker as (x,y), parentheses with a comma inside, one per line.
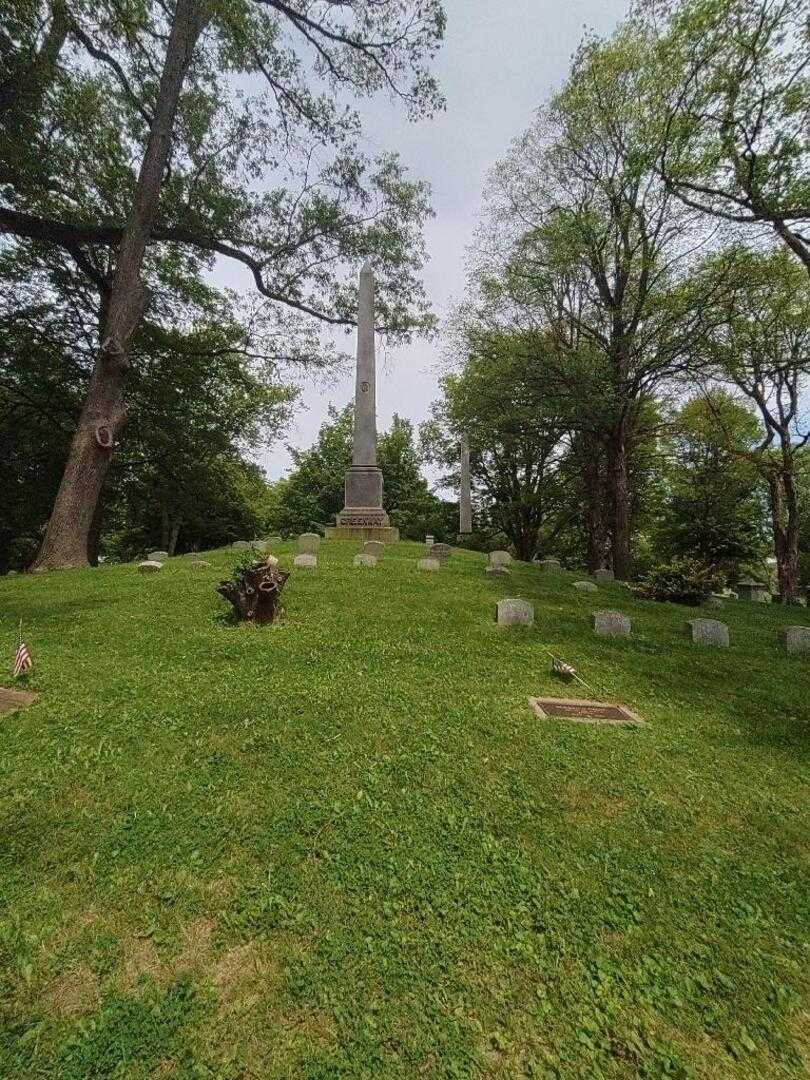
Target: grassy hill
(344,846)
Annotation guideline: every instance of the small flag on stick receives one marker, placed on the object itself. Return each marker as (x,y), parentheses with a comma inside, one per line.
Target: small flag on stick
(22,658)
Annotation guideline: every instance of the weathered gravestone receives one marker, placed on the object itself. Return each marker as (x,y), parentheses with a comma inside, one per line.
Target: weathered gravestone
(611,624)
(11,700)
(157,556)
(514,613)
(795,638)
(440,551)
(365,560)
(550,565)
(429,564)
(499,571)
(374,547)
(753,591)
(308,543)
(150,566)
(499,558)
(305,561)
(604,574)
(586,586)
(430,540)
(708,632)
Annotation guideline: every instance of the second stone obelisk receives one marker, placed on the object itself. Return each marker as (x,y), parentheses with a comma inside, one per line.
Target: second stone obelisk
(363,516)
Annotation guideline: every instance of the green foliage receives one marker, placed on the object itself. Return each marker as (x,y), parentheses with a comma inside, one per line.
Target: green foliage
(683,580)
(714,507)
(313,491)
(344,846)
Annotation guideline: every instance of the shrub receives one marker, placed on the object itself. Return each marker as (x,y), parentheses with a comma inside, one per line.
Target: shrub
(681,581)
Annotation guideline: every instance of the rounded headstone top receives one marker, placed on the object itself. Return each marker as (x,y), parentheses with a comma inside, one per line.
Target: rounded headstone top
(308,543)
(157,556)
(149,566)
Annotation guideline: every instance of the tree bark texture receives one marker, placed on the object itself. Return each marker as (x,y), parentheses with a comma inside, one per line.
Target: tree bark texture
(104,413)
(256,595)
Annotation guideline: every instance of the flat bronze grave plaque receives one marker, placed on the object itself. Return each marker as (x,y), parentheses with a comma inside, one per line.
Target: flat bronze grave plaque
(585,712)
(15,699)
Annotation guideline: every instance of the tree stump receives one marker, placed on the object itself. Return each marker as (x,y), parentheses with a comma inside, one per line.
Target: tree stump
(255,592)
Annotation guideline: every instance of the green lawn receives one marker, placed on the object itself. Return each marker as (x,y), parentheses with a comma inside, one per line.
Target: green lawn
(344,846)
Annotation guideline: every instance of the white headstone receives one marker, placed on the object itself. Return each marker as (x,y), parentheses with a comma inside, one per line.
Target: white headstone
(499,558)
(514,613)
(157,556)
(611,624)
(374,547)
(708,632)
(429,564)
(585,586)
(305,561)
(365,560)
(795,638)
(150,566)
(308,543)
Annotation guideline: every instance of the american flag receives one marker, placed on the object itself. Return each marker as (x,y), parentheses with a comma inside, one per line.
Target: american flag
(22,660)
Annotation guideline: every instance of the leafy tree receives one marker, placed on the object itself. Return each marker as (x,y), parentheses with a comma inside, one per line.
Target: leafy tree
(516,444)
(92,90)
(731,90)
(313,491)
(713,510)
(759,344)
(598,254)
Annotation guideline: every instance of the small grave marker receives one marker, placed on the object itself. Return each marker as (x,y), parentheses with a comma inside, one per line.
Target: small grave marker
(305,561)
(586,586)
(611,624)
(151,566)
(308,543)
(585,712)
(514,613)
(708,632)
(429,564)
(550,565)
(795,638)
(11,700)
(365,560)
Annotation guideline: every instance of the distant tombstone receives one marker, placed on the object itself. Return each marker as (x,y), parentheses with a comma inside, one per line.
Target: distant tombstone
(708,632)
(440,551)
(604,574)
(150,566)
(753,591)
(514,613)
(199,564)
(430,540)
(157,556)
(374,547)
(429,564)
(795,638)
(305,561)
(498,571)
(240,545)
(499,558)
(550,565)
(585,586)
(365,560)
(308,543)
(611,624)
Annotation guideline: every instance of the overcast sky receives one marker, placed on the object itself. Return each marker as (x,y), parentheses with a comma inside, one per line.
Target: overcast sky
(499,62)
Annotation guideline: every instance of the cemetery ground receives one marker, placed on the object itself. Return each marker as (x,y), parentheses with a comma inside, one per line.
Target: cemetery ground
(344,845)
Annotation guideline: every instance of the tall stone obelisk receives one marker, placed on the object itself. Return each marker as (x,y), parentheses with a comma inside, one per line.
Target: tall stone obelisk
(362,516)
(465,494)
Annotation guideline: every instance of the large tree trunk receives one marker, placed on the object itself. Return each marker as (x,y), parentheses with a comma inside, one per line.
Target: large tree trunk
(785,524)
(619,481)
(104,412)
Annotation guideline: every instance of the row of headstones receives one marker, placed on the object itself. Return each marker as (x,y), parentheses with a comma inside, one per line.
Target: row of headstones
(615,624)
(155,559)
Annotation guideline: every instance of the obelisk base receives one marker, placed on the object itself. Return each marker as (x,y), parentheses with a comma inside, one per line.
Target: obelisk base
(363,517)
